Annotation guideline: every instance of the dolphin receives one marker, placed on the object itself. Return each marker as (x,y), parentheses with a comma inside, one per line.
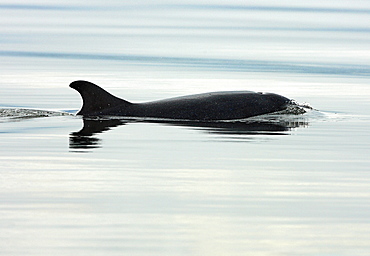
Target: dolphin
(212,106)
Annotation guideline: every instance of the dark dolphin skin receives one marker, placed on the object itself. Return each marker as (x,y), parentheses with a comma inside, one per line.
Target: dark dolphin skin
(211,106)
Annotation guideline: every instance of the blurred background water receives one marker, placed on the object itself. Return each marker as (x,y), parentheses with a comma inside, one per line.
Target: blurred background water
(136,188)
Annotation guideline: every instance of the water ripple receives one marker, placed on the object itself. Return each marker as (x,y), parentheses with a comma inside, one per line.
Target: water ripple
(253,8)
(207,63)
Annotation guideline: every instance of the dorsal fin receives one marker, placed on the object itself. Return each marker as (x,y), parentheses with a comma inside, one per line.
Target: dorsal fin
(95,99)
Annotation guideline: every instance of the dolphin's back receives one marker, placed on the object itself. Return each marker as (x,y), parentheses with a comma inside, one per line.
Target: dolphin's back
(212,106)
(203,107)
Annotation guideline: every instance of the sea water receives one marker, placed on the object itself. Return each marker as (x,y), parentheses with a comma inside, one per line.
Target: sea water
(295,185)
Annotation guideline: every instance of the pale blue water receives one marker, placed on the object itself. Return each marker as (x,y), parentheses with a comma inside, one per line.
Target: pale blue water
(300,186)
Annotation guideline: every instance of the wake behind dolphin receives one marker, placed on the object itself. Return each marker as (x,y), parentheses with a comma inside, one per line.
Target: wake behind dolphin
(213,106)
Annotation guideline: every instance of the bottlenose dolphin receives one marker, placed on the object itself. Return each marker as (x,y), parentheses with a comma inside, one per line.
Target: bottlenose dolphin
(211,106)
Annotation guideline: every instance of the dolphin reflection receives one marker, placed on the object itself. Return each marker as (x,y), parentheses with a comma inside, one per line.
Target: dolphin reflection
(86,138)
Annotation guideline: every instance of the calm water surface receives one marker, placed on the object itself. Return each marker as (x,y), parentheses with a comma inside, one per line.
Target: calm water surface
(298,186)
